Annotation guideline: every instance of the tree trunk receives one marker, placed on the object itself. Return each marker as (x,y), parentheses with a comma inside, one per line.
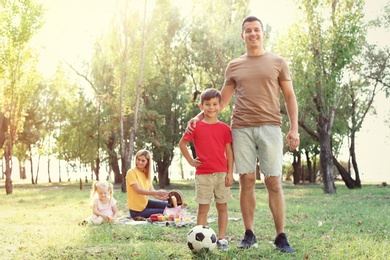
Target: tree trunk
(59,171)
(113,159)
(349,182)
(162,169)
(126,161)
(96,169)
(31,168)
(352,155)
(48,169)
(326,156)
(309,167)
(8,168)
(36,177)
(181,165)
(22,170)
(297,167)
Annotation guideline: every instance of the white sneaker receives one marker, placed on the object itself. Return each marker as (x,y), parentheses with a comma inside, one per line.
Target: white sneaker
(222,244)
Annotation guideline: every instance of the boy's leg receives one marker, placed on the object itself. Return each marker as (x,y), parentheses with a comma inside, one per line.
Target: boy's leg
(222,219)
(203,210)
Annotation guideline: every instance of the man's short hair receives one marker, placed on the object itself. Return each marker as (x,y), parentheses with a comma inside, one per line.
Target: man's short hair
(251,19)
(209,94)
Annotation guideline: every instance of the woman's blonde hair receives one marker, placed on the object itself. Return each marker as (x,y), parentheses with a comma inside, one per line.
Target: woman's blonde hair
(148,156)
(102,184)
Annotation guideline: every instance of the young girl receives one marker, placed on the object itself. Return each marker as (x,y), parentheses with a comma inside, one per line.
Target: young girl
(103,202)
(139,188)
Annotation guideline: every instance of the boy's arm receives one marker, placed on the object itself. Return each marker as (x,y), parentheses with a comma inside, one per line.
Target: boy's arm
(183,148)
(230,161)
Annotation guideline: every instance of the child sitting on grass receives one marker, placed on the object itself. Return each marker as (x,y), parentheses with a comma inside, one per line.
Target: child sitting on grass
(103,203)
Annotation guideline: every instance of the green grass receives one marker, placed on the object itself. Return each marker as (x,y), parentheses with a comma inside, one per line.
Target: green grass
(41,222)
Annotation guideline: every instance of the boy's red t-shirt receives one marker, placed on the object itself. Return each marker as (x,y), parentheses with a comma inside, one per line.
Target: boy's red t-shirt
(210,144)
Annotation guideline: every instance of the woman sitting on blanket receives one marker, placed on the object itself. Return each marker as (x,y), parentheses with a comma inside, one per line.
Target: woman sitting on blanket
(139,188)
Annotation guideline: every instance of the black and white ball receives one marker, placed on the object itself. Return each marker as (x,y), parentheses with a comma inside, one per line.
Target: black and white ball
(201,237)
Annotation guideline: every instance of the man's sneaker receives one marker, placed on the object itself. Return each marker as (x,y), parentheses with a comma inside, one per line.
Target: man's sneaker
(222,244)
(248,241)
(282,244)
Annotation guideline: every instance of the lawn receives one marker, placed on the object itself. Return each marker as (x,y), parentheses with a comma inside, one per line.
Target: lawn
(41,222)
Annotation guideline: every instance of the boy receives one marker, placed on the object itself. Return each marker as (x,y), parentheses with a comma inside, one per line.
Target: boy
(214,162)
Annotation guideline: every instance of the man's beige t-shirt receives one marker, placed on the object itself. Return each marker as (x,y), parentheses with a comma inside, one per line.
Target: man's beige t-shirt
(257,89)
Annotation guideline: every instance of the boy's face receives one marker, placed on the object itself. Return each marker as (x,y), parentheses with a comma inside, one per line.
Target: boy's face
(211,108)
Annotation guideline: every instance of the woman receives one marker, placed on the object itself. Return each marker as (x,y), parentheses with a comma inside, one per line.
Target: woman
(139,188)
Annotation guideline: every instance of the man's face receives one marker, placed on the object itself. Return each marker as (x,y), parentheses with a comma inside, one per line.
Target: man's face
(252,34)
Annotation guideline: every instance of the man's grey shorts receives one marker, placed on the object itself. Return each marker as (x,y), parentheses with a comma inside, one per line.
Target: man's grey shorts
(264,142)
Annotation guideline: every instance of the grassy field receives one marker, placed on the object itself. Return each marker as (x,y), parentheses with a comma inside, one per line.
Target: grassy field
(41,222)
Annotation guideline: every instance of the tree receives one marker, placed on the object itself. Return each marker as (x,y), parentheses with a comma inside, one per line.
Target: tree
(165,95)
(369,76)
(19,21)
(320,46)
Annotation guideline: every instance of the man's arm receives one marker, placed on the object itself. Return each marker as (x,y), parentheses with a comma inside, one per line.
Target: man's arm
(292,138)
(230,161)
(227,92)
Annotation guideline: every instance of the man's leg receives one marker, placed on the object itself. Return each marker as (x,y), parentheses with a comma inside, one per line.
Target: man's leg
(276,201)
(248,206)
(277,206)
(248,199)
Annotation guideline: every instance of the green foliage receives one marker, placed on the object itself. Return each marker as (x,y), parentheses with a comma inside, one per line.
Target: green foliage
(337,226)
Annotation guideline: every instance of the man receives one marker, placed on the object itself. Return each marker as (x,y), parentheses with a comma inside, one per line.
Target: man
(257,78)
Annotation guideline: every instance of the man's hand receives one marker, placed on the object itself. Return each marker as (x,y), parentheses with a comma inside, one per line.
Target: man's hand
(191,125)
(292,140)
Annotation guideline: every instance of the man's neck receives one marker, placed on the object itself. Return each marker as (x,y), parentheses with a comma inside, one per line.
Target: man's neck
(255,51)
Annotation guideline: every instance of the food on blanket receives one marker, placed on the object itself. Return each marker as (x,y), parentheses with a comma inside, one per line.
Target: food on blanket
(177,219)
(171,217)
(187,219)
(160,218)
(154,217)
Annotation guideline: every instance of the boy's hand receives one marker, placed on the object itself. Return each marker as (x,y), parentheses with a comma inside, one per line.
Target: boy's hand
(229,180)
(195,162)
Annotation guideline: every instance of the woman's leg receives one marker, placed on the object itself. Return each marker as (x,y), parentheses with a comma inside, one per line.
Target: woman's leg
(153,207)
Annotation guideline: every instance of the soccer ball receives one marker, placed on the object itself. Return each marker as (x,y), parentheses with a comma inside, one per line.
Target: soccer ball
(201,237)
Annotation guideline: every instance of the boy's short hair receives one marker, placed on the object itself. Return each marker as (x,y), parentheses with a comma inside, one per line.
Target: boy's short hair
(209,94)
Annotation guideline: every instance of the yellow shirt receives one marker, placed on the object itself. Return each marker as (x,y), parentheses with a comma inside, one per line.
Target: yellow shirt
(135,201)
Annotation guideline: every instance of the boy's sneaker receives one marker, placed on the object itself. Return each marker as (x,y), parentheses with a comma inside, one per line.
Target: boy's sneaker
(248,241)
(222,244)
(282,244)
